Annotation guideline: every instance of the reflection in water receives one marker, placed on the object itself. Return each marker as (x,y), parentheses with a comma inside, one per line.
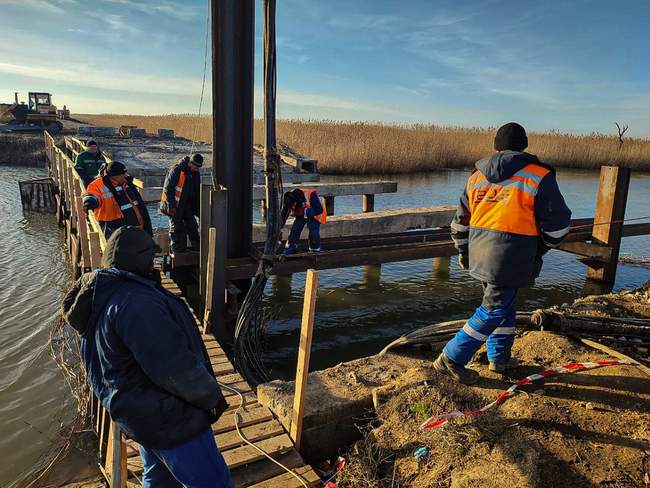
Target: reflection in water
(361,309)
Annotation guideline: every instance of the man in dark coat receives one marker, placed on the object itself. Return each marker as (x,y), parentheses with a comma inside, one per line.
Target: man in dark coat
(148,366)
(180,201)
(510,214)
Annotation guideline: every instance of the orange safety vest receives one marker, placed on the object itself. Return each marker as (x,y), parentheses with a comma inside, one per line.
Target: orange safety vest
(322,217)
(178,189)
(109,208)
(508,205)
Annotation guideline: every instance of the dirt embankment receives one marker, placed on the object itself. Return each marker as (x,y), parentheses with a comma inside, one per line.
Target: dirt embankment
(587,429)
(22,149)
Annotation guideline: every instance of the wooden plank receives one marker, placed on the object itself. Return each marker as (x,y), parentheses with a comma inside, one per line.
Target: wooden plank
(304,352)
(95,250)
(246,454)
(288,480)
(263,470)
(253,433)
(608,219)
(587,250)
(205,222)
(209,279)
(250,416)
(241,386)
(83,235)
(219,202)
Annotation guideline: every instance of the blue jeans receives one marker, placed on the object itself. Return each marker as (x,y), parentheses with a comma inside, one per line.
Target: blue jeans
(493,321)
(314,232)
(195,464)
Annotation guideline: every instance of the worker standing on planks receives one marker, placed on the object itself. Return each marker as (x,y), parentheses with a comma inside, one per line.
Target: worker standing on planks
(510,214)
(180,201)
(307,208)
(89,162)
(148,366)
(115,201)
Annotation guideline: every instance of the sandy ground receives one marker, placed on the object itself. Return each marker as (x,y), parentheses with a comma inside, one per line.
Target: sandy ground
(587,429)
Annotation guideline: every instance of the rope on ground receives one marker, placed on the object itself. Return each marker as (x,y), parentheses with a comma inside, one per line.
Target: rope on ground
(243,438)
(440,420)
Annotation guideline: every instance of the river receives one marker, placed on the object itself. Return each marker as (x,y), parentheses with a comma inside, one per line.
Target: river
(358,310)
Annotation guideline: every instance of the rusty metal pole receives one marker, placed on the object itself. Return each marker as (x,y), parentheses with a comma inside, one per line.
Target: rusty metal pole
(233,43)
(608,219)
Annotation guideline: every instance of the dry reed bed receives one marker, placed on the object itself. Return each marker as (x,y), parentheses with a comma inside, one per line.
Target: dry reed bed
(363,147)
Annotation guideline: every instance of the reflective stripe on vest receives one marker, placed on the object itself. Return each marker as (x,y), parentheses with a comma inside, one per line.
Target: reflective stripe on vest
(508,205)
(322,217)
(178,189)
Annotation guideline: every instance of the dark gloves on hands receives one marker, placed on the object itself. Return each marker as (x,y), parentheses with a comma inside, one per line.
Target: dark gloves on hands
(90,202)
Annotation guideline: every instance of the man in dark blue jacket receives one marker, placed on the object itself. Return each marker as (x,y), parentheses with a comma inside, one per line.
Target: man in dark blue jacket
(148,366)
(510,214)
(306,208)
(180,201)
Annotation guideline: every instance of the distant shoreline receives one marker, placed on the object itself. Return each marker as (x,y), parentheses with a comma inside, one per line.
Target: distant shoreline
(360,148)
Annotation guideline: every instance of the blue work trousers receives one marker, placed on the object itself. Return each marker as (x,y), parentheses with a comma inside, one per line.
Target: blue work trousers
(314,232)
(493,321)
(195,464)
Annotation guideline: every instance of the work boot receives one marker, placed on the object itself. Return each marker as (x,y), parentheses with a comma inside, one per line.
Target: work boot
(316,249)
(503,366)
(289,250)
(456,371)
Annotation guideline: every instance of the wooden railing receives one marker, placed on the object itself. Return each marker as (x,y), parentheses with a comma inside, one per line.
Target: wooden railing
(85,243)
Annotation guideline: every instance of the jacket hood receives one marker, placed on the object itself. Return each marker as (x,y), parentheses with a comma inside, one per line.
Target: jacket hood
(90,294)
(131,249)
(503,164)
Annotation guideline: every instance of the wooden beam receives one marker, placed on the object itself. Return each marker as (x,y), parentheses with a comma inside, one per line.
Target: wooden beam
(219,203)
(368,202)
(608,219)
(205,222)
(209,280)
(335,189)
(304,351)
(95,250)
(329,204)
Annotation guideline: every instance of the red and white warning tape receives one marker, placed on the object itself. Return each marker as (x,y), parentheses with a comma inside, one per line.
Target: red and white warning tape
(440,420)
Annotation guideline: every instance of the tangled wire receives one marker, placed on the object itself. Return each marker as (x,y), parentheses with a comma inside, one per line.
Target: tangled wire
(251,322)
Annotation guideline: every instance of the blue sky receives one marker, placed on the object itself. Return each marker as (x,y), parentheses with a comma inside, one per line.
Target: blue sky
(574,65)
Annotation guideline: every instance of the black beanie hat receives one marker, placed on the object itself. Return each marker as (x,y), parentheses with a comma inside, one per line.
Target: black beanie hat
(91,142)
(130,249)
(511,136)
(197,160)
(115,168)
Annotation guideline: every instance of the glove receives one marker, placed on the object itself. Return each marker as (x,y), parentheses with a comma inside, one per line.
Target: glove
(90,202)
(171,211)
(463,261)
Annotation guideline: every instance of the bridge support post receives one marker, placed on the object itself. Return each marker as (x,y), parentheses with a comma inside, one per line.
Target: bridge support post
(608,219)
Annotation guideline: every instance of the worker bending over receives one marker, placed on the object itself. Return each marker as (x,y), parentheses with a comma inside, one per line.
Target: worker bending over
(89,162)
(510,214)
(306,208)
(180,201)
(148,366)
(115,201)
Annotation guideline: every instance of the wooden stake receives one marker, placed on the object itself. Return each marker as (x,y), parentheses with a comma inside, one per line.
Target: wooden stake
(368,203)
(608,219)
(306,329)
(209,279)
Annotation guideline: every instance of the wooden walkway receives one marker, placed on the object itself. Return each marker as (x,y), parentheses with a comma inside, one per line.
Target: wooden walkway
(249,467)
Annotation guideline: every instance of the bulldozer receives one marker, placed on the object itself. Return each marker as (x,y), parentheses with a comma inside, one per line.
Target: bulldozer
(37,115)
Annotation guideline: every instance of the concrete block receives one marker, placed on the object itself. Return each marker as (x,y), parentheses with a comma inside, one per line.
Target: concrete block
(167,133)
(136,132)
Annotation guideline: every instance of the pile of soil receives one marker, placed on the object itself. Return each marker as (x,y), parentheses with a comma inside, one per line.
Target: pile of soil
(577,430)
(632,303)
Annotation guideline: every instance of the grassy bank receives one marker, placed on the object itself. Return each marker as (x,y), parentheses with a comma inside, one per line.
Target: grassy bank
(362,147)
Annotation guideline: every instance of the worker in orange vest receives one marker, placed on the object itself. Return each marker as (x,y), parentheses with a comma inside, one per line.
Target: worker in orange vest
(115,201)
(180,201)
(510,214)
(307,208)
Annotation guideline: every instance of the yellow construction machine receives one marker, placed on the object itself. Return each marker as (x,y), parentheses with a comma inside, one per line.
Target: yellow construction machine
(38,114)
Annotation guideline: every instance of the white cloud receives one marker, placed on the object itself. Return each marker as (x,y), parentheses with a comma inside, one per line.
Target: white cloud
(177,10)
(43,6)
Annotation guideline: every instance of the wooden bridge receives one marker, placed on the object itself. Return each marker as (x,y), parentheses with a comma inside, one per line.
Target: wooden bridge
(119,457)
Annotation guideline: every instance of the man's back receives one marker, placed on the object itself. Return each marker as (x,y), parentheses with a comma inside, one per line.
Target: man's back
(144,357)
